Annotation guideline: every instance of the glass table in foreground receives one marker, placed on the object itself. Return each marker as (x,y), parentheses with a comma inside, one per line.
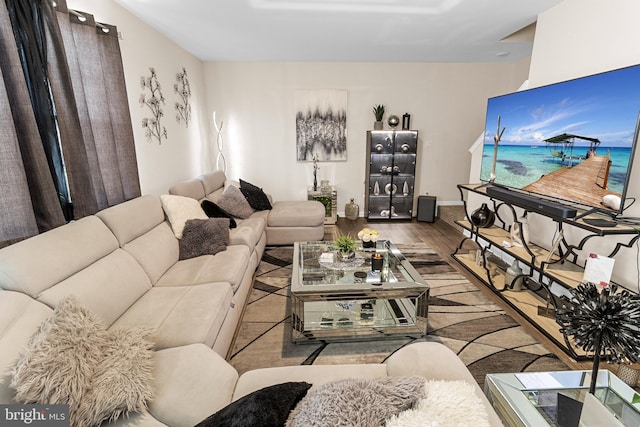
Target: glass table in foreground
(339,300)
(555,398)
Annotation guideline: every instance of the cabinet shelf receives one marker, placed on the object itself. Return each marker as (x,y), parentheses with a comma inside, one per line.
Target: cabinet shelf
(395,151)
(525,303)
(546,269)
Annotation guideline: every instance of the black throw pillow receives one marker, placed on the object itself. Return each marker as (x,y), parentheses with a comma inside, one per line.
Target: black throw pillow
(214,211)
(267,407)
(255,196)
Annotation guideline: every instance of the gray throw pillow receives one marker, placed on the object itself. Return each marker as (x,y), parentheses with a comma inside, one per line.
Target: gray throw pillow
(357,402)
(234,202)
(204,237)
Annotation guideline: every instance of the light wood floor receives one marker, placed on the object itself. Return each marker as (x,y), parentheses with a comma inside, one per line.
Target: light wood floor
(443,237)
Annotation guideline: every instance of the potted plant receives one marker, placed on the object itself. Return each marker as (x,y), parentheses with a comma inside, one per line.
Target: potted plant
(345,246)
(378,112)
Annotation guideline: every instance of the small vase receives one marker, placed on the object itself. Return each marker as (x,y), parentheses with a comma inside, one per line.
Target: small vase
(369,244)
(352,210)
(483,217)
(377,125)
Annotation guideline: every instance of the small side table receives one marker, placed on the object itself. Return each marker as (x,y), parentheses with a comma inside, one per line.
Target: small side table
(329,198)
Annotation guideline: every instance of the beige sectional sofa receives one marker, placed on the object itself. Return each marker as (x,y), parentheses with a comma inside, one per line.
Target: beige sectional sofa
(123,265)
(287,222)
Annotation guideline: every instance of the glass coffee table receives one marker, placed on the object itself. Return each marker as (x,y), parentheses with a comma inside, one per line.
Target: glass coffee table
(556,399)
(349,300)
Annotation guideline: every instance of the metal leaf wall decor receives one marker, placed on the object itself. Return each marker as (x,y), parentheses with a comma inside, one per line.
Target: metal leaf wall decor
(183,89)
(154,100)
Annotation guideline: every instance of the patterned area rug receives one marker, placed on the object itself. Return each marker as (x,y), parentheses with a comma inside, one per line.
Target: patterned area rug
(460,316)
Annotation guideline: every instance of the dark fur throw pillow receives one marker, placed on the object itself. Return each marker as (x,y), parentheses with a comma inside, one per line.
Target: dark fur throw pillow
(204,237)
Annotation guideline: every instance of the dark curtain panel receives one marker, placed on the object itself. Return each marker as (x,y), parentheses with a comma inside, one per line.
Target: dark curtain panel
(78,168)
(28,23)
(30,202)
(81,68)
(93,55)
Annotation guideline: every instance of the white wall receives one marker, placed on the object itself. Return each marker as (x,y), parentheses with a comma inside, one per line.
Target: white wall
(183,154)
(447,104)
(255,100)
(574,39)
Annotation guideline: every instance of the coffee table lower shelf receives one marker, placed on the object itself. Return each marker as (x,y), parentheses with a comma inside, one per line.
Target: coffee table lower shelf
(354,320)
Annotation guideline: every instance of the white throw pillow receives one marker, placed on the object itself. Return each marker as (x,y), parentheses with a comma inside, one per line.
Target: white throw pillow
(179,209)
(445,404)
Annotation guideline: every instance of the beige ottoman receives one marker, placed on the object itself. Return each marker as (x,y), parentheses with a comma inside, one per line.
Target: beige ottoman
(295,221)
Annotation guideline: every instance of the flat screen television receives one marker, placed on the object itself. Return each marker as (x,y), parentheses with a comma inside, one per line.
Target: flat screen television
(572,141)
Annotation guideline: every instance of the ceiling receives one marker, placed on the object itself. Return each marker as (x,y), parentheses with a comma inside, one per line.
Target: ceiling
(346,30)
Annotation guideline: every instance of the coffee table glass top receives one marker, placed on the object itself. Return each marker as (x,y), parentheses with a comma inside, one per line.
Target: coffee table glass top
(317,265)
(554,398)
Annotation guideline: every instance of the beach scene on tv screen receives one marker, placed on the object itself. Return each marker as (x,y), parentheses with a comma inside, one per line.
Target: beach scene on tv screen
(572,140)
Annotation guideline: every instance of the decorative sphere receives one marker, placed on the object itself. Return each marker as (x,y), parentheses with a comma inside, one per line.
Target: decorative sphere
(393,121)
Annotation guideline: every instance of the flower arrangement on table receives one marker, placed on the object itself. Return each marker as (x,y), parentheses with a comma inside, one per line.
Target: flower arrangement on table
(369,237)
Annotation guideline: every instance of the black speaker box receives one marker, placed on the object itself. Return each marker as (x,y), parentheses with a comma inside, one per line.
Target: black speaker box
(427,208)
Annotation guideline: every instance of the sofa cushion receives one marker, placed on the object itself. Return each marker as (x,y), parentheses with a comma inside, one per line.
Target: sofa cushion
(180,315)
(226,266)
(302,213)
(234,202)
(212,181)
(192,188)
(108,287)
(248,233)
(314,374)
(156,251)
(257,199)
(35,264)
(72,359)
(133,218)
(212,210)
(204,237)
(179,209)
(20,318)
(357,402)
(267,407)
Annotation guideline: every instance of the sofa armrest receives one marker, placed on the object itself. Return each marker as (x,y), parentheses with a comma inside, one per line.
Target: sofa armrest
(435,361)
(192,382)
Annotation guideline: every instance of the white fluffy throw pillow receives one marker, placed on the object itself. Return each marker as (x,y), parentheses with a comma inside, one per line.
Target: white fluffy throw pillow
(445,404)
(72,359)
(179,209)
